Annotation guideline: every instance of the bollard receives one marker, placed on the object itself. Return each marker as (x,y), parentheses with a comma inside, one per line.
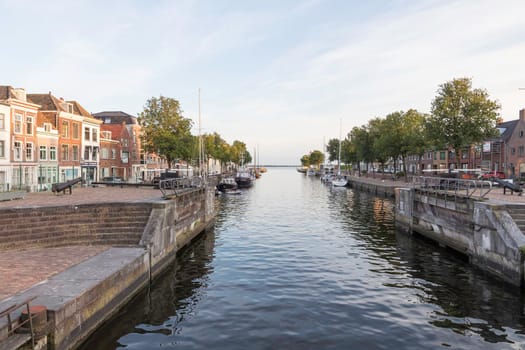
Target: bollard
(39,320)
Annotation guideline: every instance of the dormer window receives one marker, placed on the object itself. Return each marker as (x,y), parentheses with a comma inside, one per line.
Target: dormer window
(70,108)
(47,127)
(107,120)
(106,134)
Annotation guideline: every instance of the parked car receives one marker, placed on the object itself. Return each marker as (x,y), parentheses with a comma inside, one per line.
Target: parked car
(493,174)
(113,179)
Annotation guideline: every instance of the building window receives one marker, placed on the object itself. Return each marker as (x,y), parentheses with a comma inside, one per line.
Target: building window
(29,151)
(65,152)
(95,151)
(521,133)
(76,131)
(18,150)
(104,153)
(106,134)
(113,154)
(125,157)
(2,149)
(87,151)
(513,150)
(65,129)
(107,120)
(2,121)
(94,135)
(47,127)
(43,153)
(52,153)
(86,134)
(18,124)
(520,151)
(29,125)
(75,153)
(442,155)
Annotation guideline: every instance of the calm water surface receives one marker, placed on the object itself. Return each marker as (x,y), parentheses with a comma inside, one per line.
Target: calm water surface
(294,264)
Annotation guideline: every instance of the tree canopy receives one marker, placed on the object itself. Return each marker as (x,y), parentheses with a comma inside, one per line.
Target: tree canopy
(165,130)
(461,116)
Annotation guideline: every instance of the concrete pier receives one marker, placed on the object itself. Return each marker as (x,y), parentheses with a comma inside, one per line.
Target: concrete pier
(80,293)
(489,230)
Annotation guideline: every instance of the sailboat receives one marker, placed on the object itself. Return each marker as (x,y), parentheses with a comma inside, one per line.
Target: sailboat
(244,177)
(339,180)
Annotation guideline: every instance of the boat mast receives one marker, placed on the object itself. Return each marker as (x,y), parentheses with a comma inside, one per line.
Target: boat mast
(339,157)
(201,144)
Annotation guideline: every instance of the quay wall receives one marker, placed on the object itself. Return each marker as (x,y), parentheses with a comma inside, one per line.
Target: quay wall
(383,188)
(485,232)
(80,299)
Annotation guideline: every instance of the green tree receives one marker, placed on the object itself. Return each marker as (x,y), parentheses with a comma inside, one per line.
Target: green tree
(414,135)
(316,158)
(332,148)
(166,131)
(461,116)
(305,160)
(362,143)
(239,154)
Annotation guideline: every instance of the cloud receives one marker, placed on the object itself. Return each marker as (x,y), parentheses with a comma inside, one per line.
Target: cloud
(275,74)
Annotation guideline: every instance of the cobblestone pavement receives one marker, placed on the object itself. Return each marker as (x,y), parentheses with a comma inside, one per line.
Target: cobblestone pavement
(85,195)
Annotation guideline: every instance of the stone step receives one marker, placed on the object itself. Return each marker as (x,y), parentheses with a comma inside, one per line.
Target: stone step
(117,226)
(14,341)
(70,234)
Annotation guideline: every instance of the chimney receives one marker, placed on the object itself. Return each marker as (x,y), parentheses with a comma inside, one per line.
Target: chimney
(522,114)
(20,94)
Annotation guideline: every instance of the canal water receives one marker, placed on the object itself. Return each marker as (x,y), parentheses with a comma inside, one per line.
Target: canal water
(295,264)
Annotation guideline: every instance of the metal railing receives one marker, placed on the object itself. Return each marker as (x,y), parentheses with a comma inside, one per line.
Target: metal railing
(14,325)
(451,187)
(174,186)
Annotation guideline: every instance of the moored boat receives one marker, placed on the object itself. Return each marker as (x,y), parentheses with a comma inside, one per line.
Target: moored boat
(244,178)
(227,184)
(339,181)
(302,170)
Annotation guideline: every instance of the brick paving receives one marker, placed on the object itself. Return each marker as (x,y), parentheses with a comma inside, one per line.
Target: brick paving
(85,195)
(21,269)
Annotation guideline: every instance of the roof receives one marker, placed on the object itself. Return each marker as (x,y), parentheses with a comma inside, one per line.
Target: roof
(78,109)
(51,103)
(116,117)
(47,101)
(506,129)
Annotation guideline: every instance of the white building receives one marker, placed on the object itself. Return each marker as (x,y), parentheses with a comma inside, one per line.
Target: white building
(5,147)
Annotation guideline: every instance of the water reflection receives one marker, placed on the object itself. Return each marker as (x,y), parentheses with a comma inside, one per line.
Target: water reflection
(295,264)
(162,308)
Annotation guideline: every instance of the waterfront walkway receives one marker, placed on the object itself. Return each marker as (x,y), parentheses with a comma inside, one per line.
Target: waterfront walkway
(22,269)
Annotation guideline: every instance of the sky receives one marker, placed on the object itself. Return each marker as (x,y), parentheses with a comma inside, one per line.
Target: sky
(283,76)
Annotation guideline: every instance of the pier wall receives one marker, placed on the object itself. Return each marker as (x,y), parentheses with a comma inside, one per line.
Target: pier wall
(79,299)
(485,232)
